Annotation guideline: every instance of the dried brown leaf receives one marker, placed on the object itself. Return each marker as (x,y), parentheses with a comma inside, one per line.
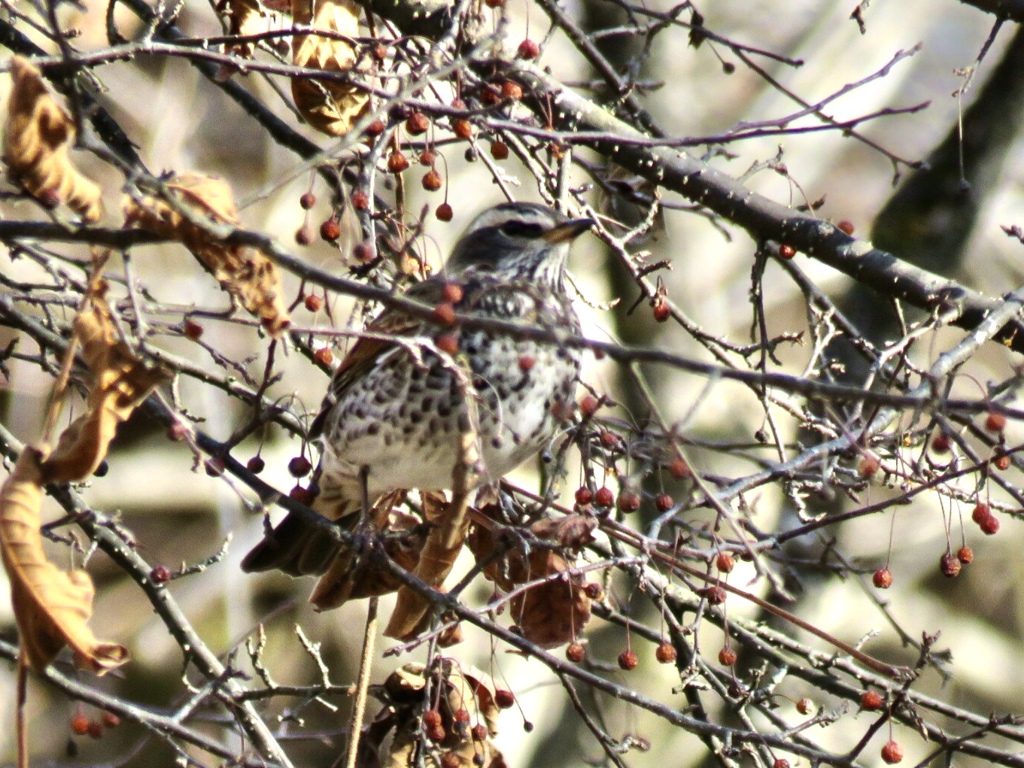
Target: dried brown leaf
(121,382)
(36,141)
(456,687)
(556,611)
(329,106)
(52,607)
(351,577)
(245,17)
(243,272)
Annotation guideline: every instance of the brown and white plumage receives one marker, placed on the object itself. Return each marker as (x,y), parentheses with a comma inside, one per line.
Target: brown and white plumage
(399,419)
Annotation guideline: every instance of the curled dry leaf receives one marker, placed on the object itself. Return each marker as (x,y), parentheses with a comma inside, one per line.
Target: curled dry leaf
(351,577)
(244,17)
(244,272)
(556,610)
(455,688)
(449,524)
(52,607)
(330,106)
(36,141)
(121,382)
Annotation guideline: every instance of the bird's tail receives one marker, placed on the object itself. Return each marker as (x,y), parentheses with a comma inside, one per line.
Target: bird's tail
(298,546)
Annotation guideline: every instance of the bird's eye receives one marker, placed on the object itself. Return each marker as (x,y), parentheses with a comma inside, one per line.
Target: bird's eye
(518,228)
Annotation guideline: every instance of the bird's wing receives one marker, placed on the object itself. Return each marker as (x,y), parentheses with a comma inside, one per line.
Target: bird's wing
(367,351)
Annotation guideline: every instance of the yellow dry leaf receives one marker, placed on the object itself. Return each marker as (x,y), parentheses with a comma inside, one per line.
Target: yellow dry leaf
(449,526)
(243,272)
(329,106)
(245,17)
(121,382)
(36,141)
(52,607)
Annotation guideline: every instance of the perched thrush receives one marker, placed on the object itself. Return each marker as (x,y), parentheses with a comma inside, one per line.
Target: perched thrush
(395,413)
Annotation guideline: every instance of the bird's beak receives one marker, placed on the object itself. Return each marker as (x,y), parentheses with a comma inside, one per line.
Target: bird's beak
(568,231)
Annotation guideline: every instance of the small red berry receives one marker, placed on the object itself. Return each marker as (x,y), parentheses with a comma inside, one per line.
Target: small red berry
(80,724)
(330,230)
(715,595)
(780,762)
(845,226)
(604,497)
(892,752)
(628,660)
(661,309)
(665,653)
(990,525)
(427,158)
(609,439)
(494,3)
(629,501)
(299,466)
(499,150)
(255,465)
(504,698)
(437,734)
(444,212)
(512,90)
(868,465)
(110,720)
(432,181)
(950,566)
(575,653)
(479,732)
(995,422)
(725,562)
(301,495)
(461,715)
(96,729)
(871,701)
(1001,461)
(304,235)
(805,706)
(528,50)
(882,578)
(360,200)
(452,292)
(444,314)
(663,502)
(679,468)
(727,657)
(593,590)
(526,363)
(447,342)
(941,443)
(376,128)
(397,162)
(159,575)
(193,331)
(462,128)
(981,511)
(787,251)
(431,719)
(450,760)
(363,253)
(214,466)
(313,302)
(307,201)
(324,356)
(965,555)
(588,406)
(583,496)
(417,123)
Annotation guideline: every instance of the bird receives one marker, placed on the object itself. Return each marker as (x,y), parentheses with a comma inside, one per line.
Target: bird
(394,413)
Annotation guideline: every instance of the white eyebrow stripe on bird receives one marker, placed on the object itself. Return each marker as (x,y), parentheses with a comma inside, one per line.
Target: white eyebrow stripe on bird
(495,217)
